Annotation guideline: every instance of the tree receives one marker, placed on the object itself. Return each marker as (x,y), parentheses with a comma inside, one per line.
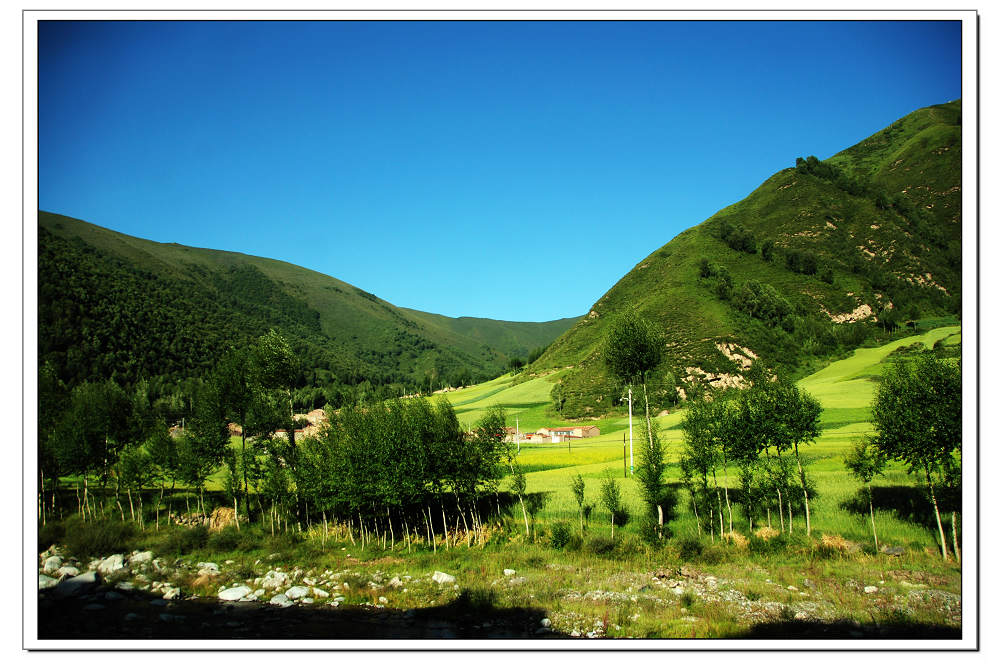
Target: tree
(865,462)
(650,477)
(799,412)
(611,498)
(917,414)
(577,486)
(633,349)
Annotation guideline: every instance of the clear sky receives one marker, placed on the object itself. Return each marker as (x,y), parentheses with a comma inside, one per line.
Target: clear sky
(509,170)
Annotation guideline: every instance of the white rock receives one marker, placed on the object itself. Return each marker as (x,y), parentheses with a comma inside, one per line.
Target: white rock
(171,593)
(509,573)
(308,601)
(320,593)
(46,582)
(111,564)
(395,582)
(871,589)
(383,600)
(234,593)
(281,600)
(442,577)
(274,579)
(208,569)
(139,557)
(792,588)
(309,581)
(68,571)
(259,592)
(52,564)
(297,592)
(546,622)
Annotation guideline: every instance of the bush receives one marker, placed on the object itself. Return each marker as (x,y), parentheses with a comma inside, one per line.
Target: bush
(98,539)
(561,535)
(49,534)
(689,548)
(601,546)
(650,532)
(227,539)
(184,540)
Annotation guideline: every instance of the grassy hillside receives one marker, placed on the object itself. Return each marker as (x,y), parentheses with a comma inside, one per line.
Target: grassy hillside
(115,305)
(819,259)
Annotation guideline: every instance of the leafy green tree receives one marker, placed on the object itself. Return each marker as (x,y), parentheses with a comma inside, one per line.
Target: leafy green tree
(519,486)
(799,413)
(917,414)
(650,477)
(577,486)
(611,498)
(706,427)
(865,462)
(634,347)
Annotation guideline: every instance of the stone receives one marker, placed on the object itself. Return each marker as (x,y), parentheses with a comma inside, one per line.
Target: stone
(171,593)
(281,600)
(52,563)
(297,592)
(320,593)
(126,586)
(792,588)
(79,585)
(395,583)
(234,593)
(546,622)
(158,602)
(67,571)
(46,582)
(259,592)
(131,616)
(871,589)
(808,583)
(518,581)
(93,607)
(207,569)
(308,601)
(893,551)
(113,595)
(140,557)
(111,564)
(442,578)
(309,581)
(509,573)
(383,600)
(339,599)
(274,579)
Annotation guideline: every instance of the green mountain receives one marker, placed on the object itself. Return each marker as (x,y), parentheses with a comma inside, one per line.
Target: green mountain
(819,259)
(116,306)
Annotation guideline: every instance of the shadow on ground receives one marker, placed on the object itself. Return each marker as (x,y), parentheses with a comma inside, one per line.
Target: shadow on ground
(849,630)
(135,615)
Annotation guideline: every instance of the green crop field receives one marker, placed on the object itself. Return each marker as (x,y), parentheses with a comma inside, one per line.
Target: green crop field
(844,388)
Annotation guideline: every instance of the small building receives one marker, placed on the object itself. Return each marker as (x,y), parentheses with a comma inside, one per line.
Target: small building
(570,432)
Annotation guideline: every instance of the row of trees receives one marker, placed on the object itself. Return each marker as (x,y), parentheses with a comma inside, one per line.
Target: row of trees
(758,433)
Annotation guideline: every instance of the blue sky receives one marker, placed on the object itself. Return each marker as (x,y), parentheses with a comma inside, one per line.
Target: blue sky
(510,170)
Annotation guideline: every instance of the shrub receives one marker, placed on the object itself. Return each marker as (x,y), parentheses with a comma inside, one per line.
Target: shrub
(649,531)
(561,535)
(184,540)
(49,534)
(689,548)
(227,539)
(766,533)
(98,539)
(601,546)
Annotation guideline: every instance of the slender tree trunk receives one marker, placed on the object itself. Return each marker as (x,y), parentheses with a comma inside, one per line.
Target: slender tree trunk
(430,521)
(612,526)
(142,522)
(781,513)
(41,500)
(871,511)
(697,520)
(937,514)
(131,507)
(581,521)
(768,517)
(805,493)
(158,503)
(392,532)
(789,517)
(444,523)
(79,503)
(86,503)
(725,475)
(324,529)
(236,514)
(407,526)
(954,538)
(524,512)
(120,508)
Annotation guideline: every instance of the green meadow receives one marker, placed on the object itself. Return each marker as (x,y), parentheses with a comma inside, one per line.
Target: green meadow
(844,388)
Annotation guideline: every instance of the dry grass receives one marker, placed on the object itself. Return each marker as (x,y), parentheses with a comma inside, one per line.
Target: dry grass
(766,533)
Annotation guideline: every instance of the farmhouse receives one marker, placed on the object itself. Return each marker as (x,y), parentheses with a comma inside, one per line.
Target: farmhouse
(570,432)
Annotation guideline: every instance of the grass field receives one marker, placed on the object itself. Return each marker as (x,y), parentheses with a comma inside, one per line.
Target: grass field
(844,388)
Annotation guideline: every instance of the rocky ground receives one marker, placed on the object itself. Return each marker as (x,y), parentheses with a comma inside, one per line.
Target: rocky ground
(139,596)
